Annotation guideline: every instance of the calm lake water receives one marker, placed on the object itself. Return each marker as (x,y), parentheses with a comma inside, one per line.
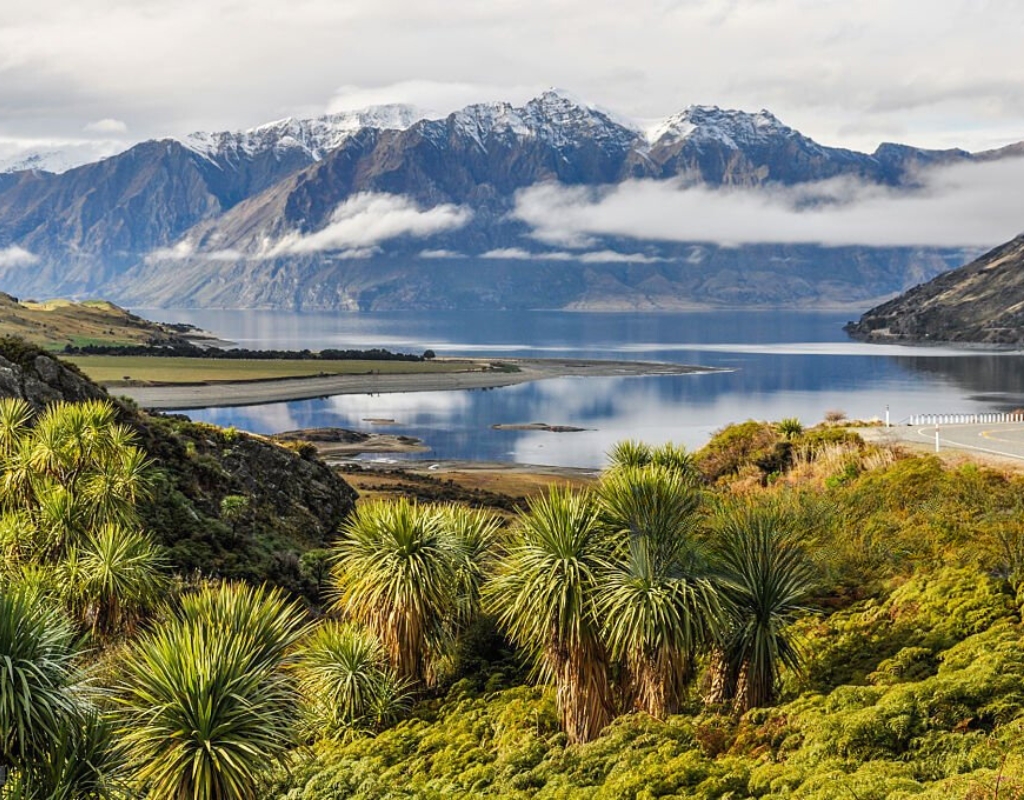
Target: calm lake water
(783,364)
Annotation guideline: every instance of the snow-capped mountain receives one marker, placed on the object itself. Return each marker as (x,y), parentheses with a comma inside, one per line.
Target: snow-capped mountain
(711,123)
(554,117)
(315,137)
(385,208)
(57,158)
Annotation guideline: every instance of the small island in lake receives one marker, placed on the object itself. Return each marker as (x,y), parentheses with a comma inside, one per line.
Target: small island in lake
(537,426)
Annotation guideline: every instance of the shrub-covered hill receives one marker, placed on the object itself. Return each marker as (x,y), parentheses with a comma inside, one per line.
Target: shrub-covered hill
(225,503)
(934,709)
(912,683)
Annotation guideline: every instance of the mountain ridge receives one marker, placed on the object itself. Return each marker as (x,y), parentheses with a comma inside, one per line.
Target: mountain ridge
(294,202)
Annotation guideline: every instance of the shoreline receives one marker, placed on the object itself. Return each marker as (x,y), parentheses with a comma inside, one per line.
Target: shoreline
(247,393)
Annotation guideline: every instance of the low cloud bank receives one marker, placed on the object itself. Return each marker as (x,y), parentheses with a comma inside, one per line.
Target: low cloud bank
(368,218)
(357,226)
(977,205)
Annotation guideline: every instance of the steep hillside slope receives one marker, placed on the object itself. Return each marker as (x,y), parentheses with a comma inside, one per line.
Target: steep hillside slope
(981,302)
(282,503)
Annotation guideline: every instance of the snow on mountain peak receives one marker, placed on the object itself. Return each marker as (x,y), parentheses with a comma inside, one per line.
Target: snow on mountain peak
(317,136)
(57,157)
(711,123)
(555,116)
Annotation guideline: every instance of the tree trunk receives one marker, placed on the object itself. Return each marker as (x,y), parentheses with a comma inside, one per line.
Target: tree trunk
(721,679)
(743,700)
(584,693)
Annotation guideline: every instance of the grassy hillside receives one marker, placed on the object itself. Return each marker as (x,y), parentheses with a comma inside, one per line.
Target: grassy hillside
(55,324)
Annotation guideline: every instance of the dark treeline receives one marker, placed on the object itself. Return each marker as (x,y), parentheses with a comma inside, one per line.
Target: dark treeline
(194,351)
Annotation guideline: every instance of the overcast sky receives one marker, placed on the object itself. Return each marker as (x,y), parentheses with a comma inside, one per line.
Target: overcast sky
(927,72)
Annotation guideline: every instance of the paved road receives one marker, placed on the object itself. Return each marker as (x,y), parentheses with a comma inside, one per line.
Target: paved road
(1004,439)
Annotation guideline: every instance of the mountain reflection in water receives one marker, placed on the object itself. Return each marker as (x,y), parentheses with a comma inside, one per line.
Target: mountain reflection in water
(785,364)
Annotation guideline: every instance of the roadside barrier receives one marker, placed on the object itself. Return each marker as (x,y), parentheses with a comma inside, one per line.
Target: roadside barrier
(963,419)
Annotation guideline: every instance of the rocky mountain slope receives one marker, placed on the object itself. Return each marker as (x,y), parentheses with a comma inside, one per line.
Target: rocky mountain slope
(982,302)
(292,214)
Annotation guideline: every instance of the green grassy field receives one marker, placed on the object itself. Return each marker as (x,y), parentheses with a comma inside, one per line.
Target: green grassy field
(135,370)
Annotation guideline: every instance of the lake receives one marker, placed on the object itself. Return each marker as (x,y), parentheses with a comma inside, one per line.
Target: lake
(783,364)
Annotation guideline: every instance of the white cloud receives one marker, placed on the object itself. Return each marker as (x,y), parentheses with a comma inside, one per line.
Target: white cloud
(185,250)
(223,255)
(354,252)
(519,254)
(611,257)
(106,125)
(964,205)
(440,254)
(847,73)
(597,257)
(177,252)
(15,256)
(366,219)
(357,226)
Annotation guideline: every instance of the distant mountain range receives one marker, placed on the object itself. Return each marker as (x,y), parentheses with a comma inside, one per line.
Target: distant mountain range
(980,303)
(380,209)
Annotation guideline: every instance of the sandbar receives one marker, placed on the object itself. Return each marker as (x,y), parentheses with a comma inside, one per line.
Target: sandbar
(246,393)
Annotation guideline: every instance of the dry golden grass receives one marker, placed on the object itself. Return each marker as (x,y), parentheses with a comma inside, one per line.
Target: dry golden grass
(56,323)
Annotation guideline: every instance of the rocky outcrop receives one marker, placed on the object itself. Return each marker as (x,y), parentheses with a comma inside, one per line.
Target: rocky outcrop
(979,303)
(39,379)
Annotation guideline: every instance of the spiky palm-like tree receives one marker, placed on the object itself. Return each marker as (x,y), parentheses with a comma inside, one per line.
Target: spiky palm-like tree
(15,415)
(630,453)
(790,427)
(346,682)
(37,672)
(544,595)
(656,603)
(766,577)
(74,471)
(396,573)
(208,699)
(676,458)
(474,536)
(113,579)
(16,533)
(84,762)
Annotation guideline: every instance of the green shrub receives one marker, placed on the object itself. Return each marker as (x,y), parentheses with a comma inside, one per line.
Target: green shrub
(735,446)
